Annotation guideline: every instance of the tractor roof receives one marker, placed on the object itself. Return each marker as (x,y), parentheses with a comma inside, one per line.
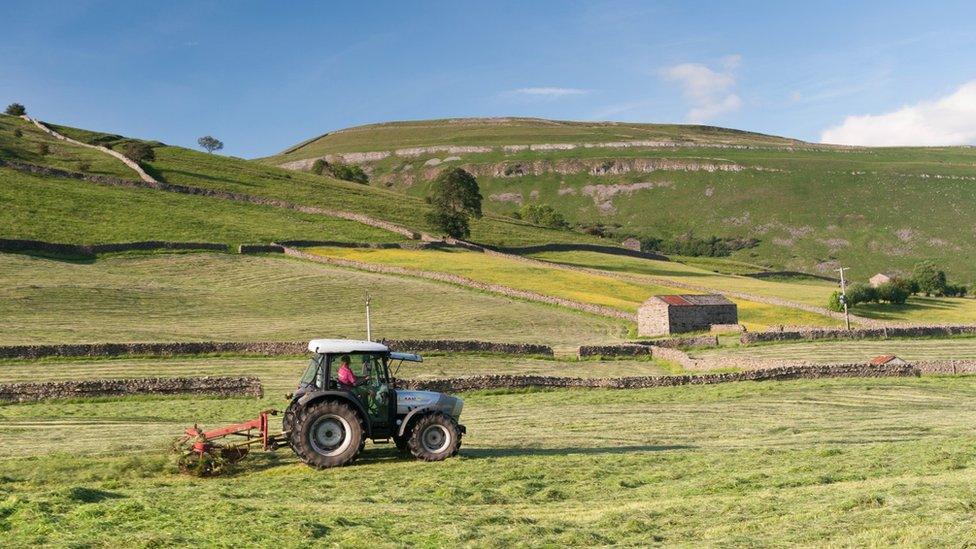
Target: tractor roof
(345,346)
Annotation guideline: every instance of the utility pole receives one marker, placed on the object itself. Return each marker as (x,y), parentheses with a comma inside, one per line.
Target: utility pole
(369,332)
(843,297)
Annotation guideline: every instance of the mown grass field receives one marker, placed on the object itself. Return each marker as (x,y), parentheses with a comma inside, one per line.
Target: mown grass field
(597,289)
(959,348)
(228,297)
(874,462)
(77,212)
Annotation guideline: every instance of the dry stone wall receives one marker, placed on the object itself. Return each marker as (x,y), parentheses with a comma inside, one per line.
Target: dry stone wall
(267,348)
(772,374)
(884,332)
(217,386)
(946,366)
(89,250)
(590,351)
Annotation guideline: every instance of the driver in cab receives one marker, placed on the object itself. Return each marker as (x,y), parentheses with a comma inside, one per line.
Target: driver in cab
(345,375)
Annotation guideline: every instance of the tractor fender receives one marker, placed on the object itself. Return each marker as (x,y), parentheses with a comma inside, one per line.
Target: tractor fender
(414,414)
(315,396)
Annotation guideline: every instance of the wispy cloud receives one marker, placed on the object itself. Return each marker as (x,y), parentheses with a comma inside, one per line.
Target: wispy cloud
(709,92)
(948,120)
(547,92)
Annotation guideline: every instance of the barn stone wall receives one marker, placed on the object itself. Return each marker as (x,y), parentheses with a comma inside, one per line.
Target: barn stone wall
(656,317)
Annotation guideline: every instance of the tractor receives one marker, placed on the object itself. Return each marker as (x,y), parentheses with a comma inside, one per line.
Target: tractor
(327,421)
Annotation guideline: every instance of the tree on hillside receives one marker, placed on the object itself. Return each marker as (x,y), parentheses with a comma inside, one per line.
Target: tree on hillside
(894,291)
(137,151)
(929,279)
(340,170)
(16,109)
(455,197)
(543,214)
(210,143)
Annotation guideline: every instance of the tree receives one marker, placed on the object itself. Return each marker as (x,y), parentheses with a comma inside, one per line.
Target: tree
(210,144)
(860,293)
(455,197)
(318,166)
(929,279)
(43,149)
(16,109)
(137,151)
(18,133)
(894,291)
(834,303)
(544,215)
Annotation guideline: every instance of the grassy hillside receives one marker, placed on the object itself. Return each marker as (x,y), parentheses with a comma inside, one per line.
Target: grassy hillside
(865,462)
(71,211)
(512,131)
(811,207)
(225,297)
(597,289)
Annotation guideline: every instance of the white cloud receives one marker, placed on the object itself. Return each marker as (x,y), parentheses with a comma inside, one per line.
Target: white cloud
(708,91)
(948,120)
(548,92)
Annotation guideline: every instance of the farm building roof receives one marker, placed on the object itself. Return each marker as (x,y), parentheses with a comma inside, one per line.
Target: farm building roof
(691,300)
(881,360)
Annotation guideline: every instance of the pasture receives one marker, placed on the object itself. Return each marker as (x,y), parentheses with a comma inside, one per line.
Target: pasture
(610,291)
(874,462)
(229,297)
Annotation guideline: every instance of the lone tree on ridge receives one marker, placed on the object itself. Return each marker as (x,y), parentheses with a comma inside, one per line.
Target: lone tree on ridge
(210,143)
(16,109)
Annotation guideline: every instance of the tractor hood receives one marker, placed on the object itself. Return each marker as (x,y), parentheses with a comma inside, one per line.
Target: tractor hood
(411,400)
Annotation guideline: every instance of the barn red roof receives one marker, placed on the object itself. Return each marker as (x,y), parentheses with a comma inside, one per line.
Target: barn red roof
(882,360)
(688,300)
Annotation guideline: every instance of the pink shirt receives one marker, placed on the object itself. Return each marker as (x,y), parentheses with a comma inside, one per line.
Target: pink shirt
(346,377)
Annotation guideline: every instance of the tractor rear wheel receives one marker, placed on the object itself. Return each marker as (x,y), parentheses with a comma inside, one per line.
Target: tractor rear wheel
(434,437)
(327,434)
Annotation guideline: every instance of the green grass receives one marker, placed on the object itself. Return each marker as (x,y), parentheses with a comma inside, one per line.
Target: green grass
(624,295)
(509,131)
(66,210)
(60,154)
(939,310)
(875,462)
(962,348)
(877,209)
(225,297)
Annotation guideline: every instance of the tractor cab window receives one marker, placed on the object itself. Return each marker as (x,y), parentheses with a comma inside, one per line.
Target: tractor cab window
(365,366)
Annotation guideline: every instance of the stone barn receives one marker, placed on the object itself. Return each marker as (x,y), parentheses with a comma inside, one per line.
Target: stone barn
(672,314)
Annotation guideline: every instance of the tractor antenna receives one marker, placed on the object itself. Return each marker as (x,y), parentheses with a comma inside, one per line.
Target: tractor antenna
(369,331)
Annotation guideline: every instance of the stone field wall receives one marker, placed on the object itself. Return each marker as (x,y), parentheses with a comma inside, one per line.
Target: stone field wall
(216,386)
(771,374)
(885,332)
(268,348)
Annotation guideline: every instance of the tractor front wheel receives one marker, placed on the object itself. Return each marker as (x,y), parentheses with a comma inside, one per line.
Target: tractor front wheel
(434,437)
(327,434)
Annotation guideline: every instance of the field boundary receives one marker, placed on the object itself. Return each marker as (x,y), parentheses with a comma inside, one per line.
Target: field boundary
(265,348)
(884,332)
(782,373)
(90,250)
(215,386)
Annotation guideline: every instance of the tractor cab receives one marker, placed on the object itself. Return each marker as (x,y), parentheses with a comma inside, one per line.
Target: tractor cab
(367,376)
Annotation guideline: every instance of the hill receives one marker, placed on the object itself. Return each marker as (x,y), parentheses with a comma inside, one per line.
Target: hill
(792,205)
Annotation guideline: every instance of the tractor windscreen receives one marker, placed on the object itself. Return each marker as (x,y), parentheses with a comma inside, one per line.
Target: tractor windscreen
(308,378)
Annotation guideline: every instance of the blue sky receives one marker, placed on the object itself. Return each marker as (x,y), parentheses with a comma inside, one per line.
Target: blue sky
(265,75)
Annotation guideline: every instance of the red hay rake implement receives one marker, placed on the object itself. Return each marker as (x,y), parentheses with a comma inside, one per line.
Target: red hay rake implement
(200,455)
